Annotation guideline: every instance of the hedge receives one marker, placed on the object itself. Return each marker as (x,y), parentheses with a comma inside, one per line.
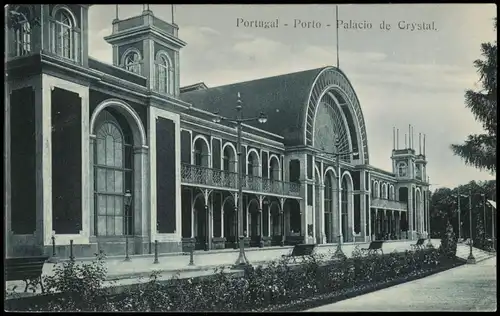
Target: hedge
(257,289)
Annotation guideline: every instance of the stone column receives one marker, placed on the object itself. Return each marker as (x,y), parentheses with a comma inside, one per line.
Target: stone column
(222,222)
(312,211)
(393,223)
(248,220)
(321,215)
(209,223)
(338,205)
(91,181)
(370,228)
(261,229)
(269,220)
(411,226)
(193,219)
(7,169)
(141,205)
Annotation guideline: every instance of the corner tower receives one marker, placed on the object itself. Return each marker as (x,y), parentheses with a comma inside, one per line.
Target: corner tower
(410,171)
(148,46)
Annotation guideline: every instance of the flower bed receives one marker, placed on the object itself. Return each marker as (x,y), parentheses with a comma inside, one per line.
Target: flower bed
(279,286)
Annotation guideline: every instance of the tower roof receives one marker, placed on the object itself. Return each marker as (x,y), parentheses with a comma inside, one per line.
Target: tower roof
(146,23)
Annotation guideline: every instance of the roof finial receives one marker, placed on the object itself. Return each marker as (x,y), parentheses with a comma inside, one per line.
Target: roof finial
(238,102)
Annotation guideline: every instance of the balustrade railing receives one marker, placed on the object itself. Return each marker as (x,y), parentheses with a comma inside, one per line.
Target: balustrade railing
(192,174)
(388,204)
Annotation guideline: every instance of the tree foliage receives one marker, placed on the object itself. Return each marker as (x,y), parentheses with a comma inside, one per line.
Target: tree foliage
(479,150)
(443,207)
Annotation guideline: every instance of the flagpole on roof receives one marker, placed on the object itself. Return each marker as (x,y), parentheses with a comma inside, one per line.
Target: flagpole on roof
(337,26)
(172,7)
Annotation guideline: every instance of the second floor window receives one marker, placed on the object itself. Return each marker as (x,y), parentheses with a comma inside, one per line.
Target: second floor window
(132,62)
(402,169)
(22,34)
(64,35)
(164,74)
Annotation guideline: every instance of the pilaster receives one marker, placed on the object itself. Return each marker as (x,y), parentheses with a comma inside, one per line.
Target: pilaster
(177,235)
(49,83)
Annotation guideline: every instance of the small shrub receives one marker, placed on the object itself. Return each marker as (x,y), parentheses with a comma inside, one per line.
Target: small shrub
(448,247)
(79,286)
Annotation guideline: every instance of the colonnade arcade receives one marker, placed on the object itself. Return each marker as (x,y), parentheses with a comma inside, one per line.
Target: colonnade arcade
(213,218)
(388,224)
(210,213)
(332,222)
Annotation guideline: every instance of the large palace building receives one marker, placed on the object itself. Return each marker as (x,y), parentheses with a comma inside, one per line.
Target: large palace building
(97,152)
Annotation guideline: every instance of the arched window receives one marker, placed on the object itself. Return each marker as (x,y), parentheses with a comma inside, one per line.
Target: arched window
(274,169)
(226,159)
(164,74)
(328,202)
(113,168)
(402,169)
(22,32)
(251,165)
(132,62)
(328,194)
(384,191)
(344,210)
(65,37)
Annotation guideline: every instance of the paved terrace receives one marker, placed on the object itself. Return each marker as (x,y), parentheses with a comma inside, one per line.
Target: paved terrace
(140,267)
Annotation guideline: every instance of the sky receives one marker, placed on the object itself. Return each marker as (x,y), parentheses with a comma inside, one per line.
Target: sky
(400,76)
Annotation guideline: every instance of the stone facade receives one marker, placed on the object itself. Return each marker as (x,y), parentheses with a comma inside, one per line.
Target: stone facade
(121,153)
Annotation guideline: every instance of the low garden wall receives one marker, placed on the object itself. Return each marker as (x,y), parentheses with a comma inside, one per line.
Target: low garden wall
(278,286)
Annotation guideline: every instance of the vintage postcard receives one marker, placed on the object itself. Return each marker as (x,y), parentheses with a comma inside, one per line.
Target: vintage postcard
(250,157)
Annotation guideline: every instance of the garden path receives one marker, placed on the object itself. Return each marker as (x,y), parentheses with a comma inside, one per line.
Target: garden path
(465,288)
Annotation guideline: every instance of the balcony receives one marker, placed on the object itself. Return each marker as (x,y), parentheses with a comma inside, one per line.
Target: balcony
(227,180)
(388,204)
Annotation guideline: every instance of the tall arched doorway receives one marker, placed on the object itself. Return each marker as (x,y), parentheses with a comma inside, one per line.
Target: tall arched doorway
(418,212)
(344,206)
(200,213)
(276,223)
(113,171)
(118,146)
(293,221)
(230,222)
(328,201)
(254,222)
(201,152)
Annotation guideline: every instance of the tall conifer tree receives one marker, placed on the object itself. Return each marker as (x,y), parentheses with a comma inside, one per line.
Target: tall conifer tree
(479,150)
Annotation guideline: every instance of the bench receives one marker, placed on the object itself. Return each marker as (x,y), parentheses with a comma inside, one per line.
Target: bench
(419,244)
(301,250)
(27,269)
(374,247)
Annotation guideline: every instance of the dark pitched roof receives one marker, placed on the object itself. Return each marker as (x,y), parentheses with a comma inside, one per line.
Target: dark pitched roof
(283,98)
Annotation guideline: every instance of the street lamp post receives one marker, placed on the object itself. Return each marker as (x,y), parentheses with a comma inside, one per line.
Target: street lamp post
(484,215)
(127,200)
(428,211)
(470,259)
(338,252)
(242,260)
(459,196)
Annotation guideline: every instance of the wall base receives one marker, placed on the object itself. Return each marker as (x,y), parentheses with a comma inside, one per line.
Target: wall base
(218,243)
